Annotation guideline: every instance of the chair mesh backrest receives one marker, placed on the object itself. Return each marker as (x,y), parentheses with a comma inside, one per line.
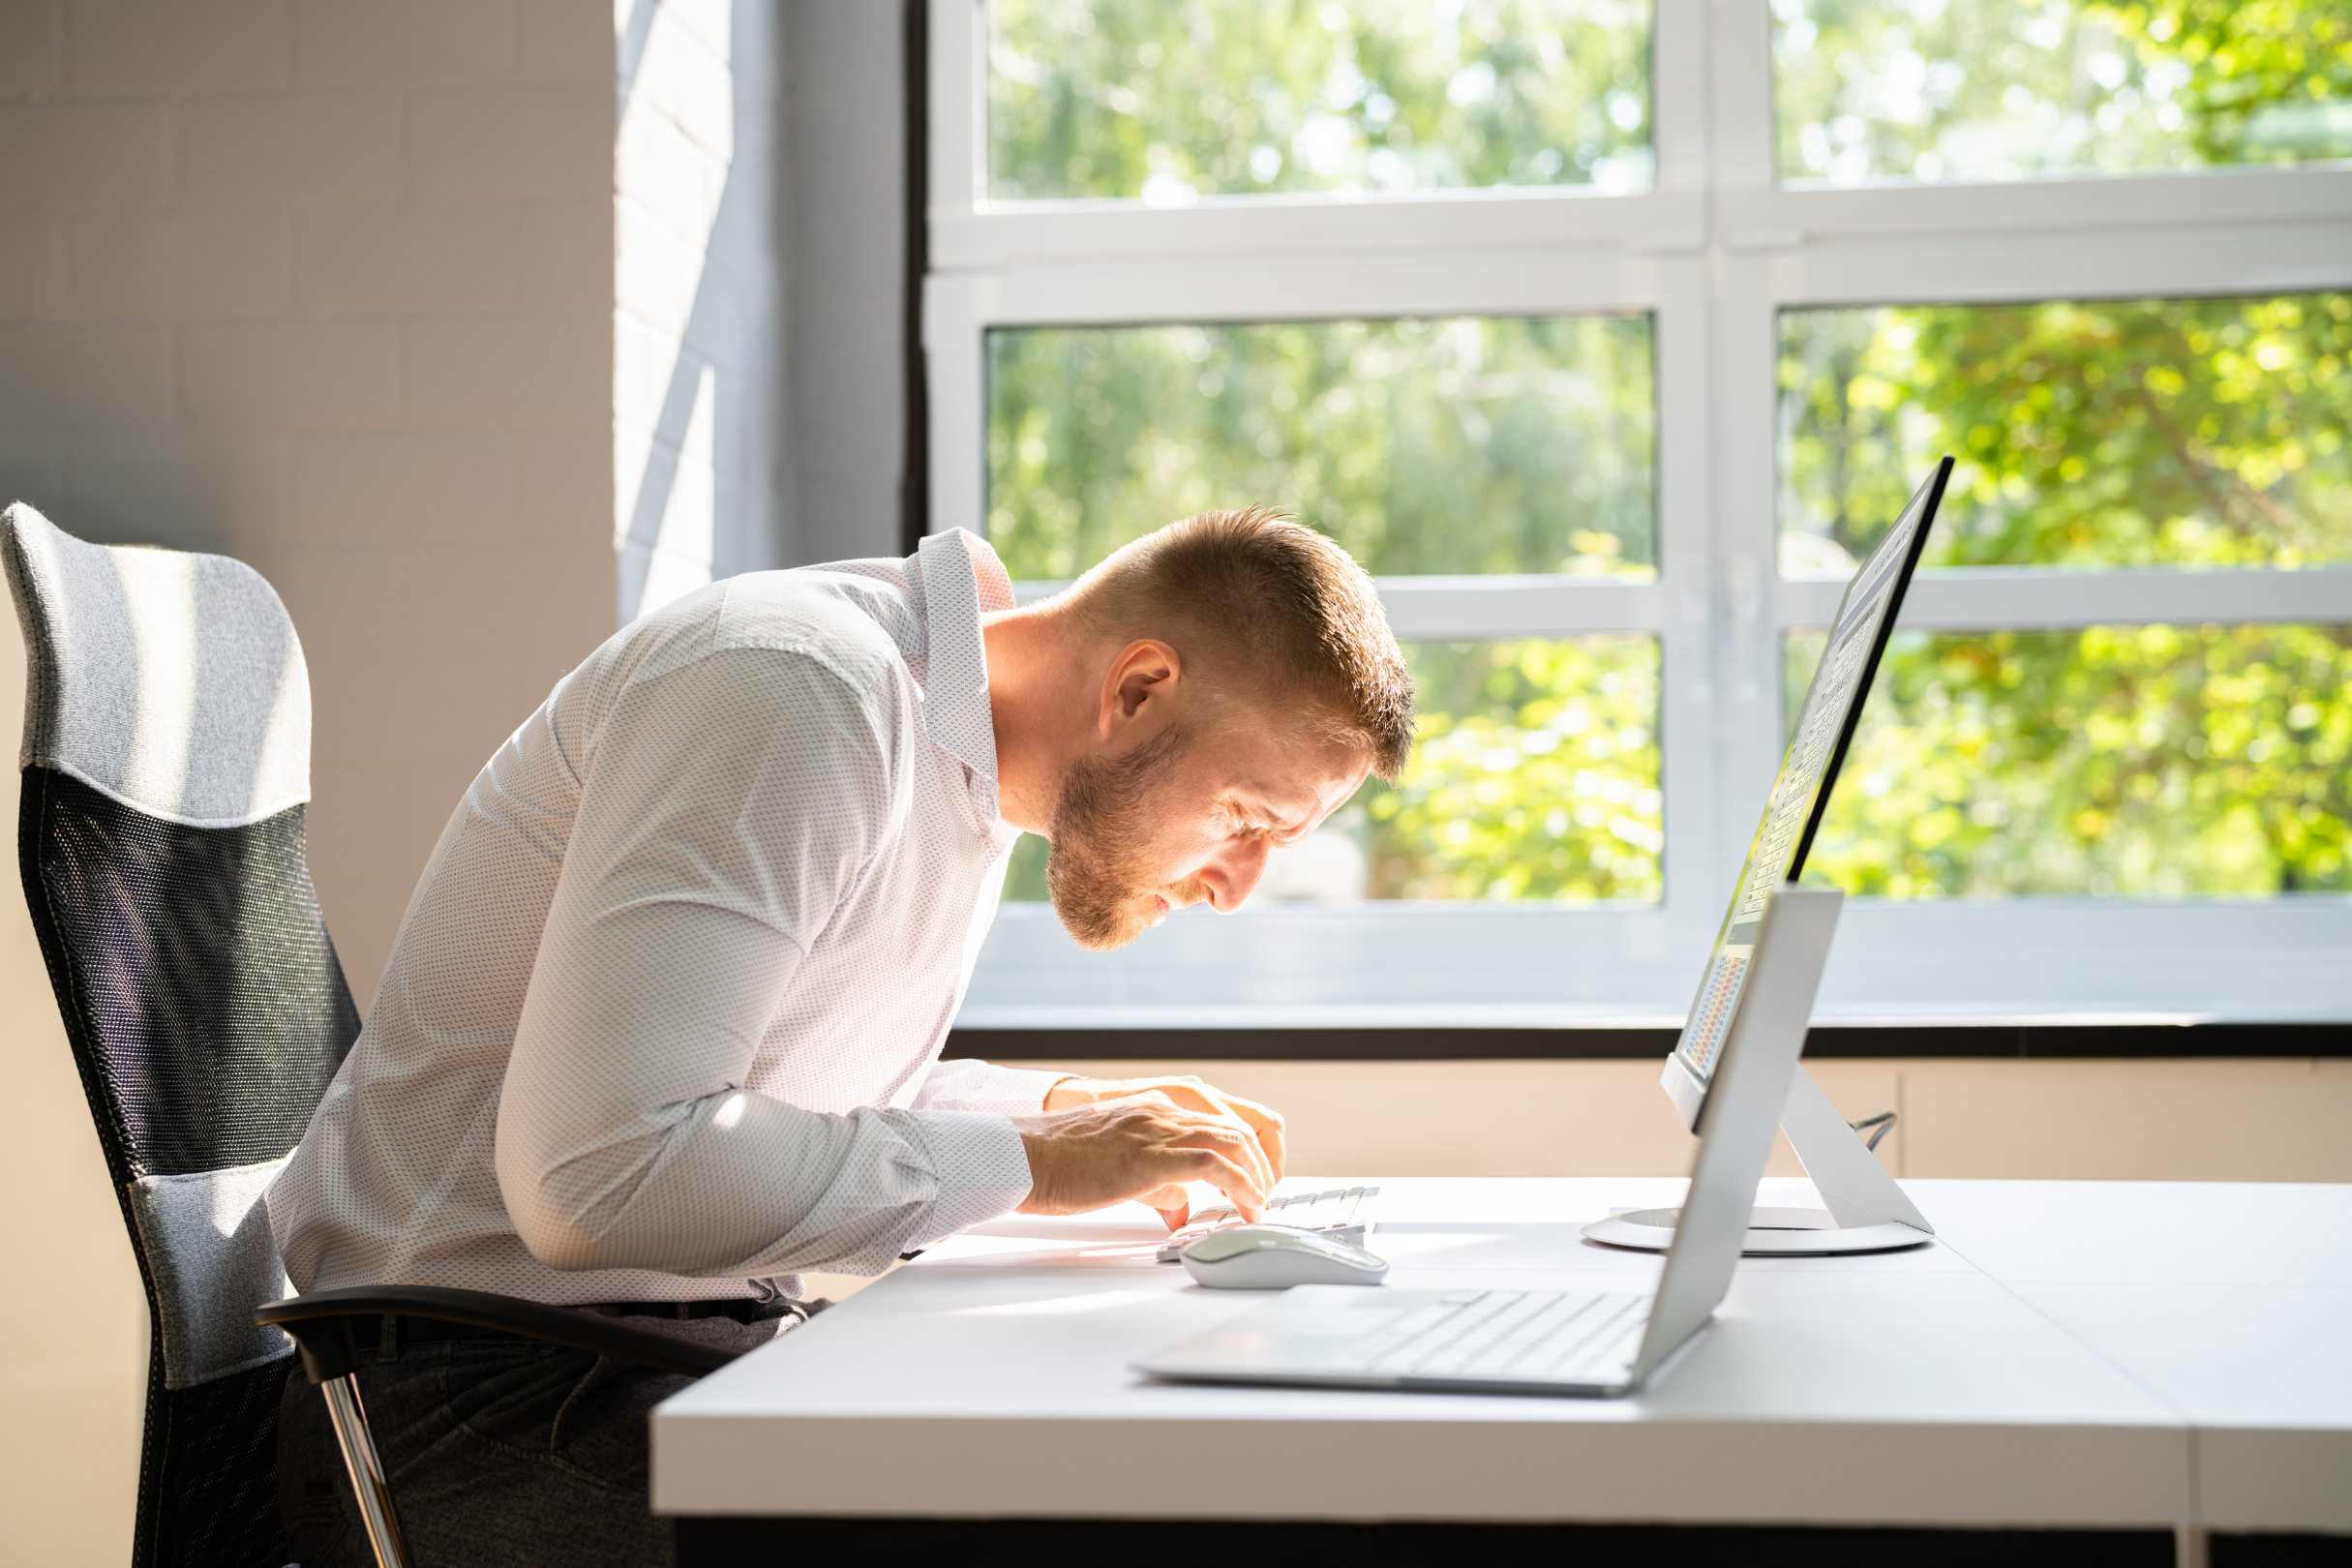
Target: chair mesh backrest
(165,773)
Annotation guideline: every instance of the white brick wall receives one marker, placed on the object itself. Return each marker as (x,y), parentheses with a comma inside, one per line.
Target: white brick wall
(328,285)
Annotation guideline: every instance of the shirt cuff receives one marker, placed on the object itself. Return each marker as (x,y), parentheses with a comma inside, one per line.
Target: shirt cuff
(1004,1091)
(983,1171)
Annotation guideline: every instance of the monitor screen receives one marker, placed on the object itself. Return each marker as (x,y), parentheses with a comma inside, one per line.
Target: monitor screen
(1865,615)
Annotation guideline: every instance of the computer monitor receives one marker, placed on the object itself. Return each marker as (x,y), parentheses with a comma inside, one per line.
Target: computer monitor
(1808,772)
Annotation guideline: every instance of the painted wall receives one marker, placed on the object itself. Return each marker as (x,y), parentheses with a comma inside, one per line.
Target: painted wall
(2178,1121)
(845,226)
(72,1316)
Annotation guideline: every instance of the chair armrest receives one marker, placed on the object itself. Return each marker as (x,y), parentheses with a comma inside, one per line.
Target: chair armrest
(318,1325)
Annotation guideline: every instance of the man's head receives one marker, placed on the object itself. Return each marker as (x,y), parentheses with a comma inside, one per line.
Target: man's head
(1240,682)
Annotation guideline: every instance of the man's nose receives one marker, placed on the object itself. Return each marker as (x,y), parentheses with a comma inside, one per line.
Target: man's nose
(1234,874)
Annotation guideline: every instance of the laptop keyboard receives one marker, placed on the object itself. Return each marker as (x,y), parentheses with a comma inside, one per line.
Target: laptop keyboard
(1343,1212)
(1504,1335)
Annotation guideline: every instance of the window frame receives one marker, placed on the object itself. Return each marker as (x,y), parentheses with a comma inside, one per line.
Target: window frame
(1712,253)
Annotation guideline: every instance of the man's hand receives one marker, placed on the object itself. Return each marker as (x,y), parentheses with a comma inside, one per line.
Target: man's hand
(1186,1093)
(1139,1146)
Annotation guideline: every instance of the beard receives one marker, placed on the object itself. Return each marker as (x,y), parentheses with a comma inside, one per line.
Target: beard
(1100,868)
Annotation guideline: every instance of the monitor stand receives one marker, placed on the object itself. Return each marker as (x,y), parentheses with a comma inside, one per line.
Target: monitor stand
(1867,1211)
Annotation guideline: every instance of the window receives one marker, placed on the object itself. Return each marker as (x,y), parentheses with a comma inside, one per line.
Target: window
(2011,89)
(2150,760)
(1171,104)
(1427,448)
(1605,336)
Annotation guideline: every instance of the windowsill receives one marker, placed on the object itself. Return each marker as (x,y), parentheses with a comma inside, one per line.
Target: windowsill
(2013,963)
(2039,1039)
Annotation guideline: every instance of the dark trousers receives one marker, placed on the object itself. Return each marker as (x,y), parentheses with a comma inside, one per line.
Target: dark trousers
(502,1452)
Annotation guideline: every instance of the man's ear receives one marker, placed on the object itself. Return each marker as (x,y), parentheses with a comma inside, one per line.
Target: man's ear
(1141,677)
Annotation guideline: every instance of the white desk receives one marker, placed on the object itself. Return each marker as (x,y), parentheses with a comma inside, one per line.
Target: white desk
(2068,1355)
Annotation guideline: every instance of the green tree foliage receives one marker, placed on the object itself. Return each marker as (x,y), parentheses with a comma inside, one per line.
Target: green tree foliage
(1171,101)
(2139,761)
(1534,776)
(2270,80)
(2005,89)
(2184,432)
(1425,448)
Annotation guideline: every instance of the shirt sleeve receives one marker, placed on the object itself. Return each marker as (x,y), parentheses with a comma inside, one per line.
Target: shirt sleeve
(982,1086)
(726,808)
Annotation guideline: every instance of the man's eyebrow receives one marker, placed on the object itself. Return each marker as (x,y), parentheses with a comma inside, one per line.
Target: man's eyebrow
(1262,809)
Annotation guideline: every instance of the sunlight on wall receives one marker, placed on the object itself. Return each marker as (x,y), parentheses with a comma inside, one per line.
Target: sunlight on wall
(683,551)
(674,153)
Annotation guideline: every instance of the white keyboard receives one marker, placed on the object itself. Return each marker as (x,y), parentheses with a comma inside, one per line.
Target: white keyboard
(1504,1336)
(1344,1212)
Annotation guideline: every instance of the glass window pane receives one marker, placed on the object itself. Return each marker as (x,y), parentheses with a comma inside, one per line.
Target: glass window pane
(2178,432)
(1450,446)
(1870,91)
(1535,777)
(2145,761)
(1141,99)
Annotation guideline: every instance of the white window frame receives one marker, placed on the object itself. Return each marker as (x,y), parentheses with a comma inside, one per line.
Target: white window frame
(1713,253)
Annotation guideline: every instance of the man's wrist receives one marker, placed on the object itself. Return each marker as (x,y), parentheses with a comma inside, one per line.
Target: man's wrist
(981,1162)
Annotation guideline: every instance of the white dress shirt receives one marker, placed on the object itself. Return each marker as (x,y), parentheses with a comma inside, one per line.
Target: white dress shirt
(662,1019)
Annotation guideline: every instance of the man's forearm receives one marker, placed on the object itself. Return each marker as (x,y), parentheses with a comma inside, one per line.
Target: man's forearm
(739,1185)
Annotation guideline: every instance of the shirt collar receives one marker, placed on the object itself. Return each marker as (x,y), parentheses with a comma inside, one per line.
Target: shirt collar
(958,580)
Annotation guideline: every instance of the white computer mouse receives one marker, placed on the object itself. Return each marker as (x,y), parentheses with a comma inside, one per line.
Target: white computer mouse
(1276,1257)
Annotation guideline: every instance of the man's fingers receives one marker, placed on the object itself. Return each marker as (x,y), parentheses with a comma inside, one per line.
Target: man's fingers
(1194,1095)
(1174,1202)
(1268,1125)
(1145,1145)
(1217,1166)
(1230,1145)
(1236,1184)
(1240,1144)
(1190,1094)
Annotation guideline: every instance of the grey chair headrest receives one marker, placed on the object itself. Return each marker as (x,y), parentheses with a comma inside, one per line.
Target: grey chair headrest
(172,681)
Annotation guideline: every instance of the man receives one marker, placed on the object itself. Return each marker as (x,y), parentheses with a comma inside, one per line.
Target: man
(661,1021)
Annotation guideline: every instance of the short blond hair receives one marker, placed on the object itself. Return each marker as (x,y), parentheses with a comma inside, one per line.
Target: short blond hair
(1268,607)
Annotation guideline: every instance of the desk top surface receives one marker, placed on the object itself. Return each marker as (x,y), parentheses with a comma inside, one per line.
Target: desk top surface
(2062,1353)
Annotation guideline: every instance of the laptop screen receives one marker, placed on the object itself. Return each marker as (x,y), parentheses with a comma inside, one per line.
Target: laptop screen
(1865,615)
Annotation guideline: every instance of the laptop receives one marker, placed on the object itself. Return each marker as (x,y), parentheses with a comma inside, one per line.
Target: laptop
(1730,1075)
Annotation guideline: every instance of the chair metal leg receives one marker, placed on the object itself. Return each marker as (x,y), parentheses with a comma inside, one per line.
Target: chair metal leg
(351,1419)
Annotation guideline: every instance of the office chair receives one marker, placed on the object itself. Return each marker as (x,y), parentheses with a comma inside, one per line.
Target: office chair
(165,773)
